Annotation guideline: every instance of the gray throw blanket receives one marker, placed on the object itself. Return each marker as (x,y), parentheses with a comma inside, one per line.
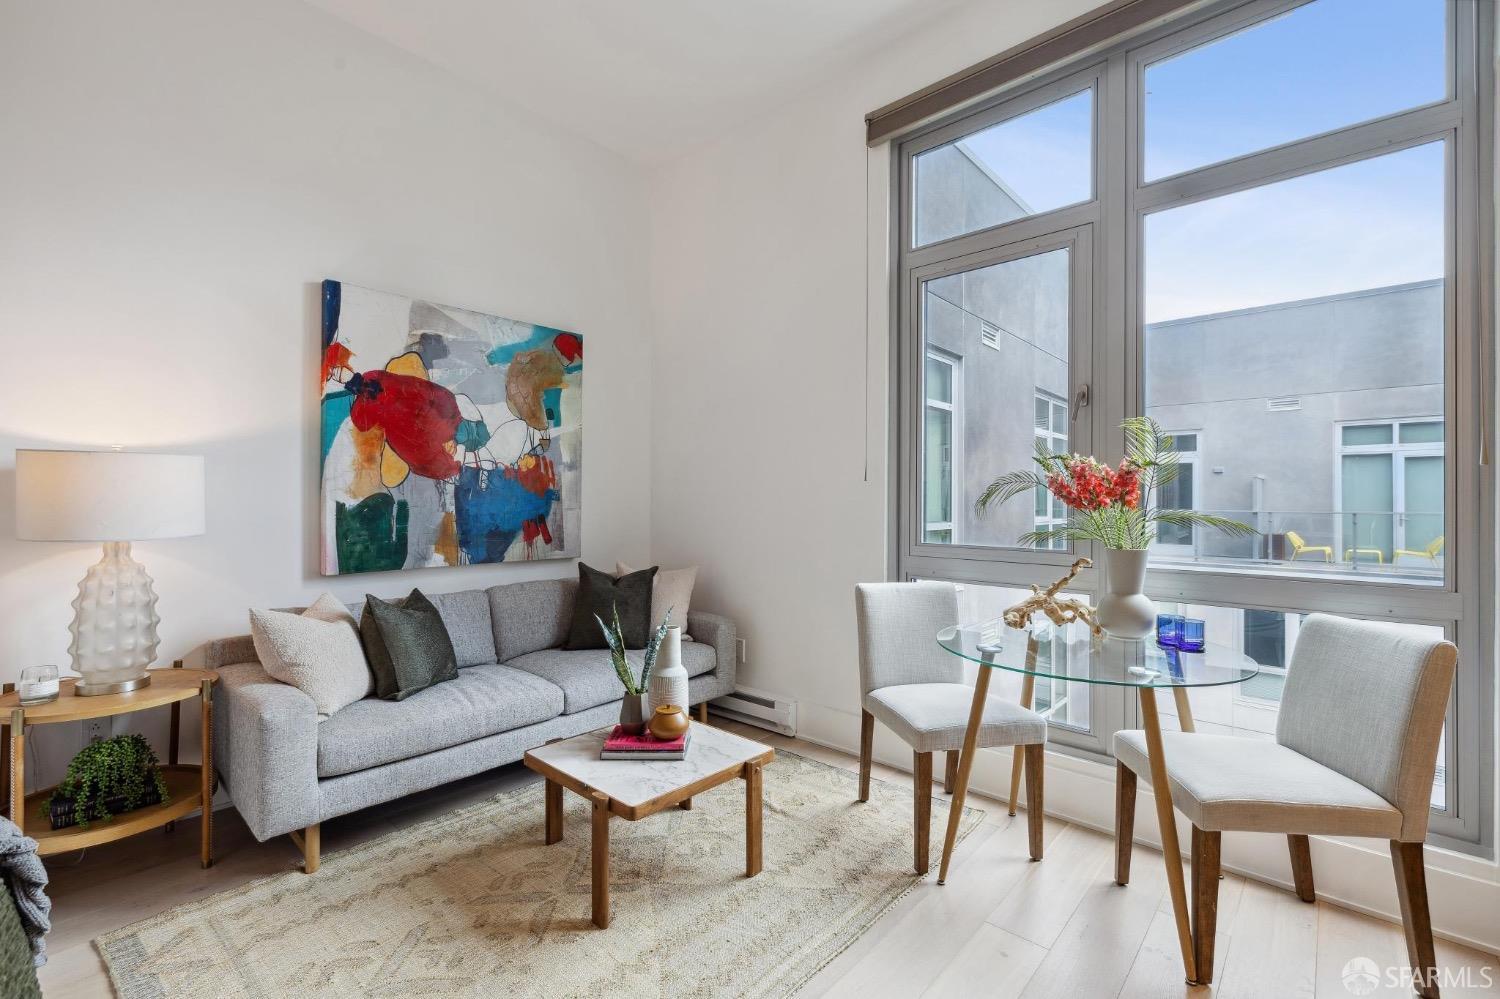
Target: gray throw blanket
(27,878)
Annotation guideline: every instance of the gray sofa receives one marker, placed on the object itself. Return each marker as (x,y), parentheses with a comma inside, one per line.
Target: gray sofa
(516,689)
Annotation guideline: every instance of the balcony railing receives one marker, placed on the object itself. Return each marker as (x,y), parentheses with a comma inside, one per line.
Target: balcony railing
(1407,546)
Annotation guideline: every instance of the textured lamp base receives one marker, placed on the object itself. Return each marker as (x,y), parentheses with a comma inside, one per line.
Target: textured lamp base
(114,624)
(85,689)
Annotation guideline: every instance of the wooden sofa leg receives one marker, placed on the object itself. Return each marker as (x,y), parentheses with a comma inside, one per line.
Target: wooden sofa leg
(1302,872)
(1416,919)
(1124,821)
(703,712)
(866,751)
(922,802)
(307,842)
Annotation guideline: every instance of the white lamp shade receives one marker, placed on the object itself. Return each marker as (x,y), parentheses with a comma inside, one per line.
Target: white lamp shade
(107,495)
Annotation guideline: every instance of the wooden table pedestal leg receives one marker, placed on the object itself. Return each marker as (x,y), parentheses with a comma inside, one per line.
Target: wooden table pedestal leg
(965,764)
(206,776)
(554,813)
(601,860)
(1171,851)
(753,779)
(1028,691)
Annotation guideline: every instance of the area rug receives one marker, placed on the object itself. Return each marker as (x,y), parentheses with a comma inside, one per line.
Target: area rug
(474,904)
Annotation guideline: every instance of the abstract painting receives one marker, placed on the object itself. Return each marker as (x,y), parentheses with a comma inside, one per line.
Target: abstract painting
(449,437)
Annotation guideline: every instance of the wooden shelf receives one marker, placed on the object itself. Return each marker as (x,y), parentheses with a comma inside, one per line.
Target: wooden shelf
(168,686)
(183,783)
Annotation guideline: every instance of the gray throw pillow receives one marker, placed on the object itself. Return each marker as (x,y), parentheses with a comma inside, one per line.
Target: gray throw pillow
(602,594)
(407,646)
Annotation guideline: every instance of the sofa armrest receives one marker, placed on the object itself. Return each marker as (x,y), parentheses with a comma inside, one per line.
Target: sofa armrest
(228,651)
(266,749)
(718,631)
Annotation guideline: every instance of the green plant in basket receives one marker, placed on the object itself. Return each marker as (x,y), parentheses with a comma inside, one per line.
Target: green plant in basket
(124,767)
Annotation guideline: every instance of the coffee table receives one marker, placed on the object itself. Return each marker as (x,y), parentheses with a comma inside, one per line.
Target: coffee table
(632,790)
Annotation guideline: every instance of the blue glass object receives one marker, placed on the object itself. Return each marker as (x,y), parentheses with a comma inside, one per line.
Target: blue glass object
(1192,637)
(1174,665)
(1168,630)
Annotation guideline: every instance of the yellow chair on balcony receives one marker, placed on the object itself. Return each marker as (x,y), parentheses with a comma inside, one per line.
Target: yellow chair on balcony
(1431,552)
(1349,554)
(1300,546)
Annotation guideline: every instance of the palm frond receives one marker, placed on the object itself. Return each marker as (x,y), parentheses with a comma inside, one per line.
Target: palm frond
(1007,487)
(1193,518)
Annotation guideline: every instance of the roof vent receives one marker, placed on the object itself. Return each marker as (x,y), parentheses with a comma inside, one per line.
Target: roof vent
(1285,405)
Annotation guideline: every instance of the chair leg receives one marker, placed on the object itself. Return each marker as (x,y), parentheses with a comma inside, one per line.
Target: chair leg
(1035,767)
(1416,920)
(1302,872)
(950,771)
(866,750)
(1205,901)
(922,802)
(1124,821)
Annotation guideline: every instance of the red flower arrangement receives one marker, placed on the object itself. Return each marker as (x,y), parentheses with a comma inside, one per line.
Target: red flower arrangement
(1089,484)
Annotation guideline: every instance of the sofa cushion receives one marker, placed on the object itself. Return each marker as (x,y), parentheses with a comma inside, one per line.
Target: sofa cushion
(601,597)
(586,677)
(407,645)
(482,701)
(466,615)
(530,616)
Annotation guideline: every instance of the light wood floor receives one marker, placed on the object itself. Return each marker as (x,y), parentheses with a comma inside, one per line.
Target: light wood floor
(1001,927)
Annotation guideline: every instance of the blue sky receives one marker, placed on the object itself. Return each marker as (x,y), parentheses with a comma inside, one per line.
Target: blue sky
(1325,65)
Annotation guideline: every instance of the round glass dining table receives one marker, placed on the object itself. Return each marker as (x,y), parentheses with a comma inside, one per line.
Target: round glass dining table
(1103,660)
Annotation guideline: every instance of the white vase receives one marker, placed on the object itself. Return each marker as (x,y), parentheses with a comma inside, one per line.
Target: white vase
(1125,611)
(669,679)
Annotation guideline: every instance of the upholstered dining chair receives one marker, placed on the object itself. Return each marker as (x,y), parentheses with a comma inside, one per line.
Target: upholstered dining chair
(917,690)
(1356,746)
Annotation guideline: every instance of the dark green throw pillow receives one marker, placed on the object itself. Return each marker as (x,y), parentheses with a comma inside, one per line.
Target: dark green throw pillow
(407,645)
(602,594)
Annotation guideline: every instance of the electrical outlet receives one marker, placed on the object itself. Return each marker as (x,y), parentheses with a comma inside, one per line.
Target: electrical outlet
(740,648)
(95,729)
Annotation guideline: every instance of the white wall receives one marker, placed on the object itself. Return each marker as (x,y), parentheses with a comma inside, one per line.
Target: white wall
(177,176)
(771,351)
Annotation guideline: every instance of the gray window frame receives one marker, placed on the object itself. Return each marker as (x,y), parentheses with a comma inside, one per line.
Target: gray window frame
(1107,339)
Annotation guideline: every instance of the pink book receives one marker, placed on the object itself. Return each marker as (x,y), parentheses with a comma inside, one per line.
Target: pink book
(619,742)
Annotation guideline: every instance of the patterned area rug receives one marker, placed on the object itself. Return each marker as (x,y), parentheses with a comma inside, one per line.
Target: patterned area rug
(474,904)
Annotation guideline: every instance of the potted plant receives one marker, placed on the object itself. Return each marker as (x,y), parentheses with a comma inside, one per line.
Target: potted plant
(106,778)
(632,718)
(1114,508)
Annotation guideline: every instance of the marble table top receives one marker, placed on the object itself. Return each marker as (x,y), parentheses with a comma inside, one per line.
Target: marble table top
(634,782)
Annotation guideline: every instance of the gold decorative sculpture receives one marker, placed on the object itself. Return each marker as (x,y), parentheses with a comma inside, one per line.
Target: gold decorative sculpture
(1059,611)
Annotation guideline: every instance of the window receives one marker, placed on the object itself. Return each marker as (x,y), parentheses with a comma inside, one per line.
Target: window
(943,440)
(1260,224)
(1051,434)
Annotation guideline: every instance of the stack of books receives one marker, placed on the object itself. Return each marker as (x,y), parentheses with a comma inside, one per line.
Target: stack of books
(619,746)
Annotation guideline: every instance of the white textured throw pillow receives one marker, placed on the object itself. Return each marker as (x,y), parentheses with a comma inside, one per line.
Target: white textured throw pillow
(317,651)
(672,588)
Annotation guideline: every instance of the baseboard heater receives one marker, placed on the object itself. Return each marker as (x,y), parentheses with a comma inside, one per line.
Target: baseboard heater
(758,708)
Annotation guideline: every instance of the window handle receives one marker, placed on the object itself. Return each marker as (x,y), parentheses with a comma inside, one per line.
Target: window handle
(1080,400)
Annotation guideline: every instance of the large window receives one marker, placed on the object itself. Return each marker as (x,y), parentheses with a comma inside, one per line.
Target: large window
(1260,225)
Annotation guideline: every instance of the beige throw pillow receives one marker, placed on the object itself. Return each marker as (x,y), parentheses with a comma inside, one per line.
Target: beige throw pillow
(673,588)
(317,651)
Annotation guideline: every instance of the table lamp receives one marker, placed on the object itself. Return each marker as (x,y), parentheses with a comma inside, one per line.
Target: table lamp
(115,497)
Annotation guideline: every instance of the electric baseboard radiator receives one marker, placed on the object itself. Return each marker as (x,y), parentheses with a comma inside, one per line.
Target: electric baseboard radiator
(758,708)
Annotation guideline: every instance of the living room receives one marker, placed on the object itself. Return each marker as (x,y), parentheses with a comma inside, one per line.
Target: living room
(855,287)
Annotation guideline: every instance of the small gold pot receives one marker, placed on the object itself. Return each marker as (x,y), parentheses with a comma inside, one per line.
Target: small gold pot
(668,722)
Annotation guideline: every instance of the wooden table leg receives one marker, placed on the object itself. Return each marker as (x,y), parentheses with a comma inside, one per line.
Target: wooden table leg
(206,776)
(1184,710)
(965,764)
(753,818)
(601,860)
(1028,691)
(18,768)
(686,804)
(554,813)
(1171,850)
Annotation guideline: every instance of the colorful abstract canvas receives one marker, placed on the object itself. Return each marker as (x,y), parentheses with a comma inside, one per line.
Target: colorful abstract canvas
(449,437)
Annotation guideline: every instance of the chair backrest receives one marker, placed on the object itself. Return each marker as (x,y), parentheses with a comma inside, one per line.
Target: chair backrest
(1295,539)
(898,626)
(1436,547)
(1368,700)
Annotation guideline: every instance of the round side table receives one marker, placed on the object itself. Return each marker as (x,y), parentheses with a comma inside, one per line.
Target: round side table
(189,786)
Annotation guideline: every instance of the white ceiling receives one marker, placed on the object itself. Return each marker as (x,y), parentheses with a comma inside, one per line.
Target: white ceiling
(646,78)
